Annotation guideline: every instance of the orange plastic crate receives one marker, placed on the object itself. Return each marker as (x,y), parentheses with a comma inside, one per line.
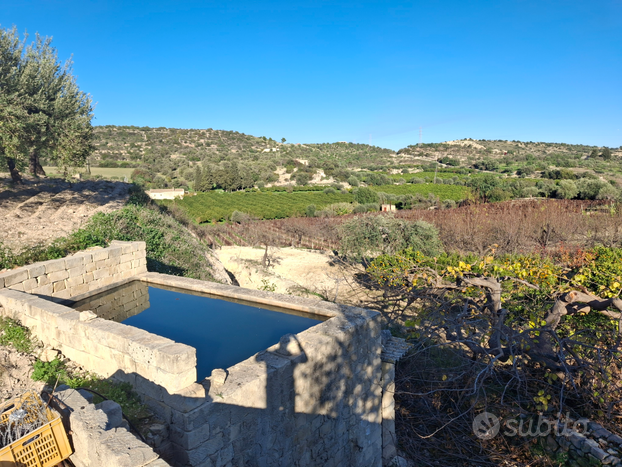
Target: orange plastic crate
(44,447)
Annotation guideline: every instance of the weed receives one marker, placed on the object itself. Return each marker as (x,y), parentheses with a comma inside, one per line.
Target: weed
(56,372)
(14,334)
(267,286)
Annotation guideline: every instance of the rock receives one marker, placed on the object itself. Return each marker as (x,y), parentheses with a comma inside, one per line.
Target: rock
(551,444)
(87,315)
(87,395)
(47,355)
(219,376)
(113,412)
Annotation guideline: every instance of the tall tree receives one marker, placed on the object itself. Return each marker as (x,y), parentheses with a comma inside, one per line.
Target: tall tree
(42,110)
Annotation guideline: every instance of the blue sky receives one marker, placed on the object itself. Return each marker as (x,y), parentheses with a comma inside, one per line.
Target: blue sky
(327,71)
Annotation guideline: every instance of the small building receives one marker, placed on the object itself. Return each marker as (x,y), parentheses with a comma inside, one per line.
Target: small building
(388,207)
(166,193)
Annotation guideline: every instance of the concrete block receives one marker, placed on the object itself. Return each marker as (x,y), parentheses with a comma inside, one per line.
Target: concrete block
(175,358)
(87,257)
(62,294)
(100,255)
(188,399)
(78,289)
(76,271)
(54,265)
(19,286)
(1,282)
(90,267)
(88,277)
(113,413)
(74,281)
(127,257)
(36,270)
(190,439)
(72,262)
(14,277)
(111,262)
(113,335)
(115,251)
(46,290)
(43,280)
(58,275)
(100,273)
(60,285)
(143,348)
(16,303)
(29,284)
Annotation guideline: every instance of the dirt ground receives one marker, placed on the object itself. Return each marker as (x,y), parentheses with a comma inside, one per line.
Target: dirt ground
(42,210)
(15,371)
(290,271)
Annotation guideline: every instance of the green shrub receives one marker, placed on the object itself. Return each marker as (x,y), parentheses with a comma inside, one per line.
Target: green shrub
(365,196)
(368,236)
(14,334)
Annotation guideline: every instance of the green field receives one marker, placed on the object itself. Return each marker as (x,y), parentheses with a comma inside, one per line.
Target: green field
(213,206)
(120,174)
(443,192)
(218,206)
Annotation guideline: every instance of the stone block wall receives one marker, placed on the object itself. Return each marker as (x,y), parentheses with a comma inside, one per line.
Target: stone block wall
(79,274)
(316,398)
(313,399)
(592,446)
(98,438)
(120,304)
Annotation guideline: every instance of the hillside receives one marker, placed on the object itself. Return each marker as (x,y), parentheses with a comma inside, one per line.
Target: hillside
(175,153)
(511,156)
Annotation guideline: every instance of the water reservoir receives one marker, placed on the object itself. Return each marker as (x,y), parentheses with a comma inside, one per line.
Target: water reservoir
(224,332)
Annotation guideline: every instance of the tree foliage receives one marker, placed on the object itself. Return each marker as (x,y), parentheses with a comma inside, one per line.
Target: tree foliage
(43,113)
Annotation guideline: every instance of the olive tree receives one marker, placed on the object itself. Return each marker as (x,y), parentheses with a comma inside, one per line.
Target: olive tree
(43,112)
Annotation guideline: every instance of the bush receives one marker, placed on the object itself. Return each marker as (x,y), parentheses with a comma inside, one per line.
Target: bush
(365,196)
(567,189)
(330,191)
(353,181)
(310,211)
(240,217)
(367,236)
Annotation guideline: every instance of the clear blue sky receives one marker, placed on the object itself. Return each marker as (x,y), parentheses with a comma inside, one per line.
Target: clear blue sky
(324,71)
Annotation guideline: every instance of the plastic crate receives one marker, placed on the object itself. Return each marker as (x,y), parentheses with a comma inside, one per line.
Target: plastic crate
(44,447)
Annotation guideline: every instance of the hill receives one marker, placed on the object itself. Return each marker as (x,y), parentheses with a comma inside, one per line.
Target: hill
(174,154)
(516,156)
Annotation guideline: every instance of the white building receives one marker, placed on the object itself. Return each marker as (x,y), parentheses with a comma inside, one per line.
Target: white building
(166,193)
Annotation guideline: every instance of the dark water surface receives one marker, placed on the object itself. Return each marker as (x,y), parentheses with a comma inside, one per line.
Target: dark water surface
(223,332)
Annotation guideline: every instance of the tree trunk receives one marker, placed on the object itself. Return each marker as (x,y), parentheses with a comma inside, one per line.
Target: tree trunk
(32,162)
(34,166)
(15,176)
(40,170)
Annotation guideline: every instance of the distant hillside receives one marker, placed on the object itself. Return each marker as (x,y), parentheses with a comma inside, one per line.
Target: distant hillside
(138,144)
(512,156)
(210,159)
(170,157)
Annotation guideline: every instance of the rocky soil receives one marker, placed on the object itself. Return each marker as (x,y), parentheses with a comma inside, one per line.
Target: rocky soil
(42,210)
(293,271)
